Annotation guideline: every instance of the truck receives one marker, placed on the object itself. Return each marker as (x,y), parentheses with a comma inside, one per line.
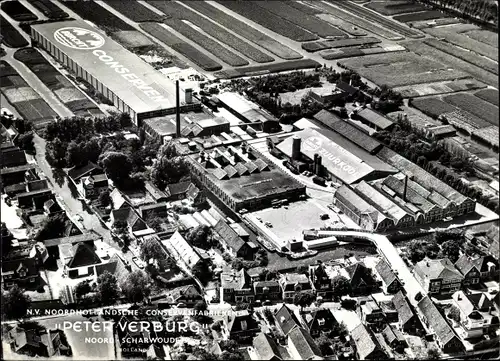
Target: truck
(319,181)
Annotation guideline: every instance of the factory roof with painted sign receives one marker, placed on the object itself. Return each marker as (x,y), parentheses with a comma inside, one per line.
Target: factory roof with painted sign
(131,79)
(343,159)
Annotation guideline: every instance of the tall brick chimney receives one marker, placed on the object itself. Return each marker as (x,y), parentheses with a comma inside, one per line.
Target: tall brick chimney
(296,147)
(177,111)
(405,188)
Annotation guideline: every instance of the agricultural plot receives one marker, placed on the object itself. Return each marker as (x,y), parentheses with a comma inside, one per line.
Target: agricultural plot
(432,107)
(243,30)
(395,7)
(269,20)
(135,11)
(424,24)
(49,9)
(300,18)
(418,90)
(342,25)
(267,69)
(452,35)
(334,54)
(466,121)
(207,43)
(360,22)
(427,51)
(10,36)
(377,19)
(17,11)
(484,36)
(329,44)
(304,8)
(133,39)
(90,10)
(190,52)
(420,16)
(474,105)
(489,95)
(176,11)
(465,55)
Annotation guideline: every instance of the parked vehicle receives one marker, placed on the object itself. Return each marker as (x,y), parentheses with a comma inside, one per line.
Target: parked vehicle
(319,180)
(139,263)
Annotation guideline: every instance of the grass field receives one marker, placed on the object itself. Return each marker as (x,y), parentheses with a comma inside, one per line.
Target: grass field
(490,95)
(395,7)
(420,16)
(135,11)
(17,11)
(474,105)
(10,36)
(484,36)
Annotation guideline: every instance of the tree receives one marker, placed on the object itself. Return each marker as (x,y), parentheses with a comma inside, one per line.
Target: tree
(303,269)
(136,286)
(202,272)
(349,304)
(339,329)
(107,288)
(25,142)
(151,249)
(341,286)
(433,354)
(451,250)
(454,313)
(105,199)
(324,344)
(15,304)
(200,237)
(117,165)
(55,153)
(303,298)
(269,315)
(52,227)
(82,289)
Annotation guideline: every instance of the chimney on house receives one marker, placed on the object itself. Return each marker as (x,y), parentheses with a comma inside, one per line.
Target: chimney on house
(405,188)
(318,164)
(315,162)
(177,111)
(296,147)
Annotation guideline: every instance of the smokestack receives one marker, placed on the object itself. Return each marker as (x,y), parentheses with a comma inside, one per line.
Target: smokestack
(315,162)
(296,147)
(318,165)
(177,111)
(405,188)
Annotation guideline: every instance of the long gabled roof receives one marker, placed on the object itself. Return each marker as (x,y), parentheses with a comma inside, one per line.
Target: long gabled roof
(437,269)
(405,313)
(229,235)
(304,343)
(265,347)
(436,321)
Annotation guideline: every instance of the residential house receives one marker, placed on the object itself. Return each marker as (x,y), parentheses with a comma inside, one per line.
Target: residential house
(362,280)
(367,347)
(394,338)
(292,283)
(321,281)
(34,199)
(266,348)
(390,281)
(22,272)
(78,260)
(236,286)
(445,337)
(19,174)
(301,345)
(129,217)
(116,266)
(42,343)
(15,157)
(389,311)
(438,276)
(232,243)
(90,187)
(153,210)
(478,314)
(155,193)
(407,319)
(286,319)
(477,269)
(319,321)
(267,290)
(187,295)
(182,251)
(177,191)
(241,326)
(370,312)
(78,172)
(118,200)
(51,207)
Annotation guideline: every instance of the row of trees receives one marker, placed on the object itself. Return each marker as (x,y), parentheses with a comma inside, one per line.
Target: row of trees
(440,245)
(484,10)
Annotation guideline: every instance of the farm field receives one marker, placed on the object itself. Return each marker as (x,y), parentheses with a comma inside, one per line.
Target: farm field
(342,25)
(269,20)
(135,11)
(72,97)
(175,11)
(49,9)
(27,102)
(300,18)
(190,52)
(418,90)
(484,36)
(269,68)
(424,24)
(420,16)
(377,19)
(10,36)
(329,44)
(395,7)
(490,95)
(465,55)
(17,11)
(244,30)
(433,107)
(465,121)
(474,105)
(454,35)
(425,50)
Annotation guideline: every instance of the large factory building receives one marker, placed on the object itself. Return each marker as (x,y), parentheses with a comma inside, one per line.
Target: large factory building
(133,86)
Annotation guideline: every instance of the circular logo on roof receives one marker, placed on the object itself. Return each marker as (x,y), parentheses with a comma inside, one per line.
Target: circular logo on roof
(78,38)
(312,144)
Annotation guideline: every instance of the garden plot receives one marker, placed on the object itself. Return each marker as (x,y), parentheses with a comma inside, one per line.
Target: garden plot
(132,39)
(342,25)
(329,44)
(269,20)
(17,11)
(420,16)
(395,7)
(267,69)
(433,23)
(10,36)
(484,36)
(134,10)
(474,105)
(432,107)
(244,30)
(16,81)
(419,90)
(15,95)
(427,51)
(465,121)
(67,95)
(490,95)
(49,9)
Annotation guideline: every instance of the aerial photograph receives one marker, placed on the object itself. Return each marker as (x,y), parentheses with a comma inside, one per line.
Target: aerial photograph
(249,180)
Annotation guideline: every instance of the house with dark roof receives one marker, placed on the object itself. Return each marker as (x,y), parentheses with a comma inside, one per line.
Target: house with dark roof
(153,210)
(319,321)
(362,280)
(115,266)
(286,319)
(366,345)
(236,286)
(321,281)
(370,312)
(241,326)
(129,217)
(34,199)
(301,345)
(407,319)
(177,191)
(266,348)
(267,290)
(347,88)
(390,281)
(187,295)
(155,193)
(292,283)
(438,276)
(446,338)
(478,314)
(42,343)
(78,260)
(394,338)
(19,174)
(374,119)
(118,200)
(232,242)
(92,185)
(76,173)
(477,269)
(22,272)
(13,158)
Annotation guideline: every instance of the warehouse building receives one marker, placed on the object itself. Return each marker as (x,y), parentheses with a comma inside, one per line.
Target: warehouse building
(133,86)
